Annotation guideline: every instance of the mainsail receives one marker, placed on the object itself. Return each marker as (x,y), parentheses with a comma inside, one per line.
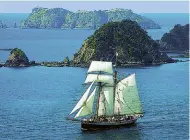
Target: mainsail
(106,102)
(127,100)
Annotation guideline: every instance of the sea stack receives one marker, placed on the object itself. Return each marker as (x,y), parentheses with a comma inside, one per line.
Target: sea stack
(17,58)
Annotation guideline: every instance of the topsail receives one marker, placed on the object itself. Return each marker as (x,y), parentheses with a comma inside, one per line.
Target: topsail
(108,79)
(101,66)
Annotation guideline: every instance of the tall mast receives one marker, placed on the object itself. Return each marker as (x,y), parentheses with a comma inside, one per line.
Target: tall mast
(115,57)
(98,99)
(114,79)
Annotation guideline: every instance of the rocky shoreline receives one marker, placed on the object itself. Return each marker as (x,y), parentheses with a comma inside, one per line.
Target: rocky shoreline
(18,59)
(6,49)
(62,64)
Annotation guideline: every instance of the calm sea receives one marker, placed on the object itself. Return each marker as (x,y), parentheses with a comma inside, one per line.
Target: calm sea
(34,101)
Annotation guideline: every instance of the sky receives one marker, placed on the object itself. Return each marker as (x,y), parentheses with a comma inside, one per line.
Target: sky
(136,6)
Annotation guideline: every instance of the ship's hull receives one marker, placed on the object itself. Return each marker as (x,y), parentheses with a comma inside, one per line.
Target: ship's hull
(106,125)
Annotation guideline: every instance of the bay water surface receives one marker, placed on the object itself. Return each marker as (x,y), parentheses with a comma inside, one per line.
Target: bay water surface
(35,101)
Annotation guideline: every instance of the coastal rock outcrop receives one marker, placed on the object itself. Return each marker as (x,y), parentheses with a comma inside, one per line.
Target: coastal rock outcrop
(2,25)
(62,18)
(176,40)
(17,58)
(127,40)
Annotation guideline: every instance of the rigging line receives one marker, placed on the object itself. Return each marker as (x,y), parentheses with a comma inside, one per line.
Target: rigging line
(130,89)
(119,101)
(103,99)
(106,101)
(124,84)
(124,100)
(104,104)
(123,74)
(124,103)
(113,57)
(129,107)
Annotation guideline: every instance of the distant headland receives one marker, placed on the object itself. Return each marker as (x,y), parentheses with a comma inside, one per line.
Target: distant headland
(62,18)
(176,40)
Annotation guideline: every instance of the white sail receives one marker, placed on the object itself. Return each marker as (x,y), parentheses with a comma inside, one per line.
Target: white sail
(127,100)
(99,78)
(108,93)
(106,101)
(101,106)
(82,100)
(101,66)
(86,109)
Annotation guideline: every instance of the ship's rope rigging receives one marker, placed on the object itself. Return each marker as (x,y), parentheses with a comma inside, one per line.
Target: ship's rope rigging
(125,84)
(120,102)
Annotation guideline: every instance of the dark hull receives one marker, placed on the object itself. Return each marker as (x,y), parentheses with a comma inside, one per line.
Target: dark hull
(106,125)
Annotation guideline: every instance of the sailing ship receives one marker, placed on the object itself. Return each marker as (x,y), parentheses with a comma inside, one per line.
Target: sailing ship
(108,102)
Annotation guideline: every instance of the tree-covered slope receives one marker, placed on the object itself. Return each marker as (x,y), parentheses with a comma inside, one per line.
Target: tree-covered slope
(45,18)
(176,39)
(17,58)
(61,18)
(127,38)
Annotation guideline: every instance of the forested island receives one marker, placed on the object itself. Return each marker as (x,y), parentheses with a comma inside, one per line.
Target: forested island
(126,39)
(124,43)
(177,40)
(62,18)
(17,58)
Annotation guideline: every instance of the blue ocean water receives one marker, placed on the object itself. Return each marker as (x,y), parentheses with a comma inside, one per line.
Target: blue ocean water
(167,22)
(55,44)
(43,44)
(168,19)
(11,18)
(34,101)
